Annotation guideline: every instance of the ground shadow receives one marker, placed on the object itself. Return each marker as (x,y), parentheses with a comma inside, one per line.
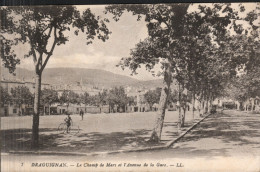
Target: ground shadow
(98,142)
(20,139)
(231,129)
(51,140)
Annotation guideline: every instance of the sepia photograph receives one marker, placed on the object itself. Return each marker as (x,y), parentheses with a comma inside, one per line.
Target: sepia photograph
(130,87)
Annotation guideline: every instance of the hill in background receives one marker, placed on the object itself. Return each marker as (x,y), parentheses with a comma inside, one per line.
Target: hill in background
(57,76)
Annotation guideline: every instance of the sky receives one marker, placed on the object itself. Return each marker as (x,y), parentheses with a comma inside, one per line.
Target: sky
(100,55)
(126,33)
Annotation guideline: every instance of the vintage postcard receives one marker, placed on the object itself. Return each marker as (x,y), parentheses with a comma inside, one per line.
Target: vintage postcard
(130,87)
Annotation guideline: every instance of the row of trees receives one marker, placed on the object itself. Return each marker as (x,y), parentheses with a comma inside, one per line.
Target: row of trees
(18,96)
(21,95)
(115,98)
(153,96)
(245,86)
(202,49)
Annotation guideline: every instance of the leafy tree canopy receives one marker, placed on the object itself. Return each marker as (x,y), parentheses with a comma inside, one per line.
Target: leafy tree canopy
(44,27)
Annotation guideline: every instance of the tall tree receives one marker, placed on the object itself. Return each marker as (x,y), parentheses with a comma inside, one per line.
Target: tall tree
(69,97)
(131,101)
(49,97)
(117,98)
(21,96)
(43,28)
(242,55)
(173,97)
(164,24)
(85,99)
(5,97)
(173,30)
(102,98)
(152,96)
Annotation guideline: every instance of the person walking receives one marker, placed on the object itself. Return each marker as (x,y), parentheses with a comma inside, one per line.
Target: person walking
(68,121)
(81,114)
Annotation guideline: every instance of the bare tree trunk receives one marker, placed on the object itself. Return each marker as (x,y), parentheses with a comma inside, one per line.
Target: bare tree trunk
(203,107)
(183,116)
(180,124)
(202,103)
(241,107)
(36,109)
(210,103)
(207,102)
(253,103)
(20,110)
(49,109)
(199,107)
(183,104)
(193,104)
(157,130)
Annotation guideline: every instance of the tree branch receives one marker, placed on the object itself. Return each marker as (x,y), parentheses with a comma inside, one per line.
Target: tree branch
(34,55)
(51,51)
(32,48)
(46,41)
